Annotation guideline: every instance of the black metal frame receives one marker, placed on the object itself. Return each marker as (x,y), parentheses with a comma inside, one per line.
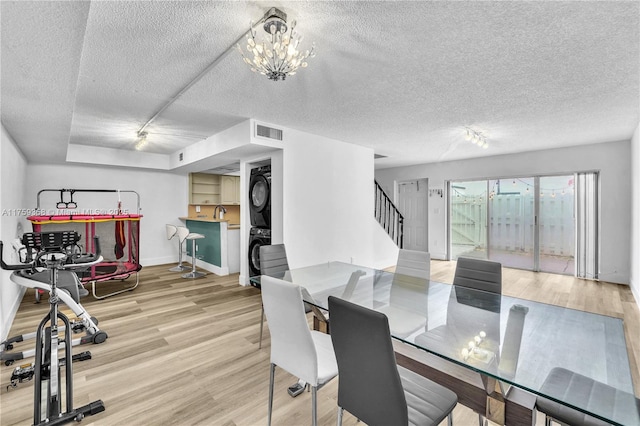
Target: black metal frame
(389,216)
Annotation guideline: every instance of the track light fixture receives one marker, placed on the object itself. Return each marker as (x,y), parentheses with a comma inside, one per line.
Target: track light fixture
(142,140)
(476,138)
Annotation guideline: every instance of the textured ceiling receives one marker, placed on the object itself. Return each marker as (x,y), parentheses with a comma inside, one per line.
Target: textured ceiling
(404,78)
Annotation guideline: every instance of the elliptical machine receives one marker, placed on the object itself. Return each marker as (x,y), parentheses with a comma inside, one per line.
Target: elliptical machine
(53,256)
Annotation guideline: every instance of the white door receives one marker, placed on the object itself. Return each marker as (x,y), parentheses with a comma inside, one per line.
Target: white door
(412,203)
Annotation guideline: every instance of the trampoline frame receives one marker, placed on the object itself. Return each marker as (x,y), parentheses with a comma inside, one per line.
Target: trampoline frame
(132,233)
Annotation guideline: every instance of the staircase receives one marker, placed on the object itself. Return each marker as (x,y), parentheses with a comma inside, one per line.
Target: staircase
(388,216)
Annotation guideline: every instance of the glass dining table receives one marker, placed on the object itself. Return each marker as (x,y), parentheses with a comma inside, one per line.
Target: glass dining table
(514,342)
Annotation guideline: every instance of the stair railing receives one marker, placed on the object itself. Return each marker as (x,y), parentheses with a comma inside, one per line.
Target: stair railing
(389,216)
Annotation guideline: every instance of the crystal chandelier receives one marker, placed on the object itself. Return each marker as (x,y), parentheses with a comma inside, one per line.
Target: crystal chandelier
(277,56)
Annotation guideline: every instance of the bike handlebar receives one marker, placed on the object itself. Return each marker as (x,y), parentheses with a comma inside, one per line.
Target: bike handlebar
(73,261)
(88,257)
(19,267)
(84,260)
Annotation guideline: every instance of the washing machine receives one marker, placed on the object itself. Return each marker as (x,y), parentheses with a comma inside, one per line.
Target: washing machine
(257,237)
(260,197)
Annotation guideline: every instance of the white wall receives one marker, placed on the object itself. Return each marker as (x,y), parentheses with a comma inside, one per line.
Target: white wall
(611,159)
(385,250)
(277,188)
(322,201)
(199,154)
(163,198)
(635,214)
(13,182)
(328,200)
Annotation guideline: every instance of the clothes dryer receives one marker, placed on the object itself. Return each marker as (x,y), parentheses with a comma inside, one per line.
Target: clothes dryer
(260,197)
(257,237)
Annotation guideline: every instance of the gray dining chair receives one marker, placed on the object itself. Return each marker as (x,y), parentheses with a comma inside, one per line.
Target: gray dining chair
(273,260)
(372,386)
(580,390)
(479,274)
(295,348)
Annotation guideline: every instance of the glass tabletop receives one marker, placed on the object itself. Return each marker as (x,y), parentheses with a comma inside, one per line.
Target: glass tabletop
(516,341)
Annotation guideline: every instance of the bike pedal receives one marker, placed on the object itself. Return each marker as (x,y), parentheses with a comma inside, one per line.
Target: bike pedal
(23,373)
(295,390)
(77,327)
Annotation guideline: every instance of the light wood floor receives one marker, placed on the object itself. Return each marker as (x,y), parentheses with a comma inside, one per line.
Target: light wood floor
(186,351)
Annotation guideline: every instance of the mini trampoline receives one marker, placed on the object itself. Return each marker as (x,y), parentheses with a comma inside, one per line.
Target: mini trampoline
(119,236)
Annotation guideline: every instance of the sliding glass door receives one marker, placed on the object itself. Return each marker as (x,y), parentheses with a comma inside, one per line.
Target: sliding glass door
(523,222)
(468,228)
(557,225)
(512,222)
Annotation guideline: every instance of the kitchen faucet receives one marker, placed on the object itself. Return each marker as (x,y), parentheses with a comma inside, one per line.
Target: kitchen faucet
(223,210)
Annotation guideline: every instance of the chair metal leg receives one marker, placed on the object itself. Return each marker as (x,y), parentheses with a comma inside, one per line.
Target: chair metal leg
(450,419)
(261,326)
(193,273)
(547,421)
(340,413)
(271,382)
(314,405)
(180,267)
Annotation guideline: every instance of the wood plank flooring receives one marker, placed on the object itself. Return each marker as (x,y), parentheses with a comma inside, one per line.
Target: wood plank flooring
(183,352)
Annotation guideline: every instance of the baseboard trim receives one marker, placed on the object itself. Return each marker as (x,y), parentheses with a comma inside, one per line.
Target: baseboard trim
(636,293)
(212,268)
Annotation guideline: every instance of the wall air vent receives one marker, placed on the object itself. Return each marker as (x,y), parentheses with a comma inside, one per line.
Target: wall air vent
(180,156)
(268,132)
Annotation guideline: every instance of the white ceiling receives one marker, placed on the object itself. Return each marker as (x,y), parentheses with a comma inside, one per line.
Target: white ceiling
(404,78)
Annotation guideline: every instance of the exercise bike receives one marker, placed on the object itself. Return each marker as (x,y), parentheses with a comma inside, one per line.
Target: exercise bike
(53,256)
(31,275)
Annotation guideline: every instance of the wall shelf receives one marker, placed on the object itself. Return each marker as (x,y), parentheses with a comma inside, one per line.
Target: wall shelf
(206,188)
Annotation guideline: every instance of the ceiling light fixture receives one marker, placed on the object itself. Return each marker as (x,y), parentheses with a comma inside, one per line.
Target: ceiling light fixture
(287,64)
(142,140)
(476,138)
(278,56)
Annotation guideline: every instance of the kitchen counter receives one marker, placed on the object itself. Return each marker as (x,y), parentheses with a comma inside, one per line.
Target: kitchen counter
(209,219)
(219,251)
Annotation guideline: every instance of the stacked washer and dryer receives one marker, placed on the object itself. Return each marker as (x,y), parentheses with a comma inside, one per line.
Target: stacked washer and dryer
(260,213)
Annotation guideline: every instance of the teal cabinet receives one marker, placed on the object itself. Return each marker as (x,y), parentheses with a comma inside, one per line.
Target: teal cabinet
(209,247)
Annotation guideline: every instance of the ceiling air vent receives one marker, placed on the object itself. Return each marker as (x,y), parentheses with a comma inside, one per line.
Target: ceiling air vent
(268,132)
(180,156)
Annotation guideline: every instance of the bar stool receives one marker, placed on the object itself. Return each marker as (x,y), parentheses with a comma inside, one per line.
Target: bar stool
(181,232)
(194,274)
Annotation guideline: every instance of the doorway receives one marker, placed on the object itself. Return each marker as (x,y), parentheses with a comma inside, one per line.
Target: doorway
(413,204)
